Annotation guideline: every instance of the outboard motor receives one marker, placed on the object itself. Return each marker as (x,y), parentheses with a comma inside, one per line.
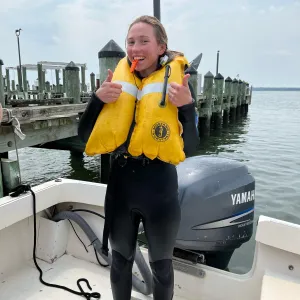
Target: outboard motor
(217,198)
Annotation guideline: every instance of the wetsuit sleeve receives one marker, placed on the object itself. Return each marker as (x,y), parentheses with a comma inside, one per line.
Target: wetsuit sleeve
(187,117)
(89,117)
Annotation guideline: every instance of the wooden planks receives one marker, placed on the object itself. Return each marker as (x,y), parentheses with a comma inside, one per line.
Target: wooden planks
(38,132)
(43,112)
(26,102)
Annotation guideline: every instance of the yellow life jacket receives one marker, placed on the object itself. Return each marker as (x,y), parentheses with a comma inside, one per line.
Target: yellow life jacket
(157,131)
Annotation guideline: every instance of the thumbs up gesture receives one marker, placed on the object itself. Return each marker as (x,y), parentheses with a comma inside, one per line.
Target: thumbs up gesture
(180,94)
(109,92)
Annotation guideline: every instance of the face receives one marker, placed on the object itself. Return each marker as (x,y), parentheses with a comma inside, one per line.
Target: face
(142,45)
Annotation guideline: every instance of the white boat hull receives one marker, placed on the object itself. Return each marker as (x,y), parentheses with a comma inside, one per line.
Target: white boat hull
(275,273)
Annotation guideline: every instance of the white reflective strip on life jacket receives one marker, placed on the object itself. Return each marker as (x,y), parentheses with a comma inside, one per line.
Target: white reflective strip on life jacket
(128,87)
(151,88)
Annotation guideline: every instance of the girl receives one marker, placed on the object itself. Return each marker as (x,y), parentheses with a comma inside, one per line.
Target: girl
(148,128)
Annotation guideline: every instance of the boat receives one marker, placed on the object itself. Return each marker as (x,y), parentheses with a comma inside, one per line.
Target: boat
(50,240)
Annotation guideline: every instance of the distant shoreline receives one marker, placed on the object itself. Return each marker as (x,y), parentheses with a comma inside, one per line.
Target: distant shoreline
(275,89)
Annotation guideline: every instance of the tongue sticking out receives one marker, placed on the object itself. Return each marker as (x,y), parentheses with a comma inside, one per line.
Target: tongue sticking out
(133,65)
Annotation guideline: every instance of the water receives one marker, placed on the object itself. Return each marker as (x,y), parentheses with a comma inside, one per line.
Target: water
(267,141)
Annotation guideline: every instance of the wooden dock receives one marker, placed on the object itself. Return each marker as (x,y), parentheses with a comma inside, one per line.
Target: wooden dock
(48,115)
(40,124)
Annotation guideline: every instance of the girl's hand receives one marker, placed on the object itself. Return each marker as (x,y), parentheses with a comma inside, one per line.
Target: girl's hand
(109,91)
(180,94)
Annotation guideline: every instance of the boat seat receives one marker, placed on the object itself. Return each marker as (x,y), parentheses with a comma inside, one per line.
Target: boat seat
(279,288)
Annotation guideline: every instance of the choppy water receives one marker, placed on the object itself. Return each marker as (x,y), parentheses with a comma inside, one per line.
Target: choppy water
(267,141)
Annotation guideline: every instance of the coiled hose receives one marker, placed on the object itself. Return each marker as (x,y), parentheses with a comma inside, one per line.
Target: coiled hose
(142,287)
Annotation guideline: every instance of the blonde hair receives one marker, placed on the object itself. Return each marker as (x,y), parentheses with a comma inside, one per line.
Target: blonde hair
(159,31)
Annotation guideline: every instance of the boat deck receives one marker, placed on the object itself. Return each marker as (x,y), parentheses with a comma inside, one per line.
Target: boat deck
(25,284)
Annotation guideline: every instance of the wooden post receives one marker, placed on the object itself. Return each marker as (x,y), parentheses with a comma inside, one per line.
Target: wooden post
(246,98)
(7,80)
(13,86)
(83,79)
(2,98)
(233,104)
(217,114)
(249,93)
(47,86)
(243,104)
(205,110)
(25,89)
(40,80)
(73,82)
(109,56)
(226,101)
(44,79)
(93,83)
(57,80)
(10,174)
(19,79)
(239,99)
(64,81)
(2,155)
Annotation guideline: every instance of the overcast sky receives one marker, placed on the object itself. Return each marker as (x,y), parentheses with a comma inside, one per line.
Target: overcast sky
(258,39)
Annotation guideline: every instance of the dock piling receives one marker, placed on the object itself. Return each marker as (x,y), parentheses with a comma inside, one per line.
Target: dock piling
(217,111)
(10,174)
(13,85)
(73,82)
(57,80)
(19,79)
(47,87)
(226,100)
(233,104)
(40,81)
(205,109)
(83,89)
(243,104)
(109,56)
(7,81)
(239,99)
(93,82)
(2,98)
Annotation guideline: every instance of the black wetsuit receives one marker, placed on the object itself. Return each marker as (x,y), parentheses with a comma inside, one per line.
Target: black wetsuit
(147,191)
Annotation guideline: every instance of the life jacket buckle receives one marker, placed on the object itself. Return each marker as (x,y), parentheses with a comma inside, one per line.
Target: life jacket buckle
(122,161)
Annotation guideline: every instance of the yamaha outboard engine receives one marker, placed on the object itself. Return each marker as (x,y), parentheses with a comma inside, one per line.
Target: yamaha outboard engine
(217,198)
